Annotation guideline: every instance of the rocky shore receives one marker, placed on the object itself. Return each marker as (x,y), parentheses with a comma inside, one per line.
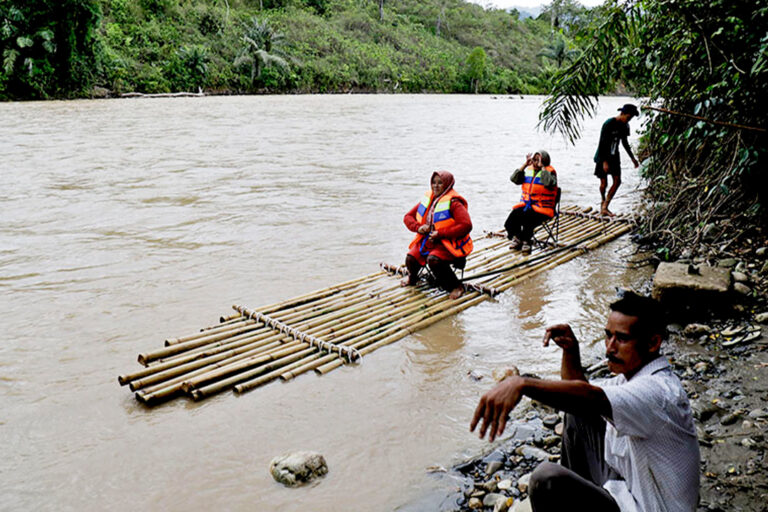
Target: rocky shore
(721,358)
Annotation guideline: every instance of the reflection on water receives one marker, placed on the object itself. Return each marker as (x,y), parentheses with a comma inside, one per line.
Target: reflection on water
(129,221)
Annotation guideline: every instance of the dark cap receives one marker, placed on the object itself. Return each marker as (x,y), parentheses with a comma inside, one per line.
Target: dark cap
(629,109)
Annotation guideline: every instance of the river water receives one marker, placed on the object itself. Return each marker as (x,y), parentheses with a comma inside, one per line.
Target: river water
(124,222)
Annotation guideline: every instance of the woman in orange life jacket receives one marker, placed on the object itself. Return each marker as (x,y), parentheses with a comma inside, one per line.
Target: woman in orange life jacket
(537,202)
(442,225)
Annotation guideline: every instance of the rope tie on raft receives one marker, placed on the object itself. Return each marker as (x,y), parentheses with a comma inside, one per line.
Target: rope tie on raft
(348,354)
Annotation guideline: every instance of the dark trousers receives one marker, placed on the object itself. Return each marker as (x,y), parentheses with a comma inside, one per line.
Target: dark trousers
(583,471)
(521,223)
(441,269)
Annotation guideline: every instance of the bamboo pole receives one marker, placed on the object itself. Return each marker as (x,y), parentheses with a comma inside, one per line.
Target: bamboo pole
(205,391)
(226,329)
(147,357)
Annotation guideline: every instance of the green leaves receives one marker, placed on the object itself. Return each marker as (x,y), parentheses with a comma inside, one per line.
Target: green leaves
(24,41)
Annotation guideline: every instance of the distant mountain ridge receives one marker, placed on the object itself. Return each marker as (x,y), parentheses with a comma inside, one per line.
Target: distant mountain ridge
(528,12)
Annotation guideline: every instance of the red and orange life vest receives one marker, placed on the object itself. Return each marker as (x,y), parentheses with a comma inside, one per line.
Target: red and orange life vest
(535,195)
(442,219)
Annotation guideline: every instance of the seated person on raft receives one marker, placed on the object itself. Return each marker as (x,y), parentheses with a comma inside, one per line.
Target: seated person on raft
(629,443)
(537,202)
(442,225)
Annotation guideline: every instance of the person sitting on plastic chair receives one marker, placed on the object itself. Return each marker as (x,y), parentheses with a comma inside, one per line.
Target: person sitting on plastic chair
(442,225)
(538,180)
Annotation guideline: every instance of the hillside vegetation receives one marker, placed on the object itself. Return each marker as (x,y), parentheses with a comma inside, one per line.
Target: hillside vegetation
(66,48)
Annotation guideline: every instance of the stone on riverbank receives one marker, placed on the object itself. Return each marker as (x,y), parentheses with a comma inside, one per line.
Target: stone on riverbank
(691,288)
(298,468)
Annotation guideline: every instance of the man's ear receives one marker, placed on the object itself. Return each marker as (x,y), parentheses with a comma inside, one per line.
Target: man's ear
(655,343)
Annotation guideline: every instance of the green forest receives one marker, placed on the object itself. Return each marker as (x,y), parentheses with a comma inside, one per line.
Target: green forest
(82,48)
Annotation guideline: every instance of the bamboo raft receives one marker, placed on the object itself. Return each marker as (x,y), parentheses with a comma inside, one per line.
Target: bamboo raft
(325,329)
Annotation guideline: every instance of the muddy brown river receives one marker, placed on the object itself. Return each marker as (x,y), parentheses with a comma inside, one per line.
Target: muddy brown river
(124,222)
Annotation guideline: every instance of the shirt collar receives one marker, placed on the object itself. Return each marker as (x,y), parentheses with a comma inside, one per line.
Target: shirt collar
(654,366)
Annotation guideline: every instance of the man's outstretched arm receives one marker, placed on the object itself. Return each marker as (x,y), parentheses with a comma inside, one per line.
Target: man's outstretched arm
(572,396)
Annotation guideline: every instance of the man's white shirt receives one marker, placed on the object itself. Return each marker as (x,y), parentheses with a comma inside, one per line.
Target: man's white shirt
(651,441)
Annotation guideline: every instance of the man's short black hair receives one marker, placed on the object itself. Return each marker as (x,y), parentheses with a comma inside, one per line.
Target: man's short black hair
(651,318)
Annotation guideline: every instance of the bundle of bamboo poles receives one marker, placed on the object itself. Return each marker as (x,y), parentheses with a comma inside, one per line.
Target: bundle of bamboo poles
(341,324)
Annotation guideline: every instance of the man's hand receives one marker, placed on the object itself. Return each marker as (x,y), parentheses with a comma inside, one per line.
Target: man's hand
(606,167)
(424,229)
(495,406)
(570,366)
(563,337)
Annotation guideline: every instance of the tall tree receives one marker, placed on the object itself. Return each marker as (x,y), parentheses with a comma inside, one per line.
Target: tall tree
(558,51)
(476,64)
(263,46)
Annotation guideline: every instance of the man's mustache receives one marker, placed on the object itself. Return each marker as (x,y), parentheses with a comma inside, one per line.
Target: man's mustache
(613,359)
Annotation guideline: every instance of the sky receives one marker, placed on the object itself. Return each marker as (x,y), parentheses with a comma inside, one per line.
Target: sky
(506,4)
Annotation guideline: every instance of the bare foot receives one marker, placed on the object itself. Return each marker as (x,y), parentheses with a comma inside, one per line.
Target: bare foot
(456,293)
(406,282)
(606,212)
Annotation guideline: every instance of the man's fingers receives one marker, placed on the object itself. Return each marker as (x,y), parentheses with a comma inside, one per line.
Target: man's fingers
(486,418)
(478,413)
(547,337)
(503,421)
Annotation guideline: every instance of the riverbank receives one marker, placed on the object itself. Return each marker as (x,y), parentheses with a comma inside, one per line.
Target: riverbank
(722,361)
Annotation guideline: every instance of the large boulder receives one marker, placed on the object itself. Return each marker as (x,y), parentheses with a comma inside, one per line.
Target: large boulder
(693,289)
(298,468)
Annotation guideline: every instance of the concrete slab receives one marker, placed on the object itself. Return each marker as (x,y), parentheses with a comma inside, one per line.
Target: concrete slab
(692,288)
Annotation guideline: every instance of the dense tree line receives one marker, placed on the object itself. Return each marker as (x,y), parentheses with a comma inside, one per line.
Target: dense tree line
(703,66)
(67,48)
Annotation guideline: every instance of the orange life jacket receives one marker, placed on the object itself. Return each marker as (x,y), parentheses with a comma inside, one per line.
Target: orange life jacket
(535,195)
(442,219)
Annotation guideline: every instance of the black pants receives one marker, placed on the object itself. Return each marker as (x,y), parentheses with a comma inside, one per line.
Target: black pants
(442,271)
(583,471)
(521,223)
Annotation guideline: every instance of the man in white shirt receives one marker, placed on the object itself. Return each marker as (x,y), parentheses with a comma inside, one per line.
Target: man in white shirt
(629,443)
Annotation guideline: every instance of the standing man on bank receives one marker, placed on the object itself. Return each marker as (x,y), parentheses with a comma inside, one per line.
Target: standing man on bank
(607,159)
(629,443)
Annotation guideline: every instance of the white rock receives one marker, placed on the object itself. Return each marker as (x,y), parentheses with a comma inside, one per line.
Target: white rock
(742,288)
(475,503)
(504,485)
(522,482)
(502,505)
(522,506)
(298,468)
(491,499)
(740,277)
(762,317)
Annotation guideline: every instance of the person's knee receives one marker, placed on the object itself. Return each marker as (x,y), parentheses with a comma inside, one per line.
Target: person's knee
(433,260)
(544,477)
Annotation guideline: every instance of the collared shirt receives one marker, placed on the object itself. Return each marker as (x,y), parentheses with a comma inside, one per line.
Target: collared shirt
(651,441)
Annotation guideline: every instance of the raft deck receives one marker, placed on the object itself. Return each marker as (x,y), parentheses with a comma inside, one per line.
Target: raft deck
(341,324)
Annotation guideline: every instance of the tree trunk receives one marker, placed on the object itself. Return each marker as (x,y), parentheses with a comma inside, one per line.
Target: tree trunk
(381,10)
